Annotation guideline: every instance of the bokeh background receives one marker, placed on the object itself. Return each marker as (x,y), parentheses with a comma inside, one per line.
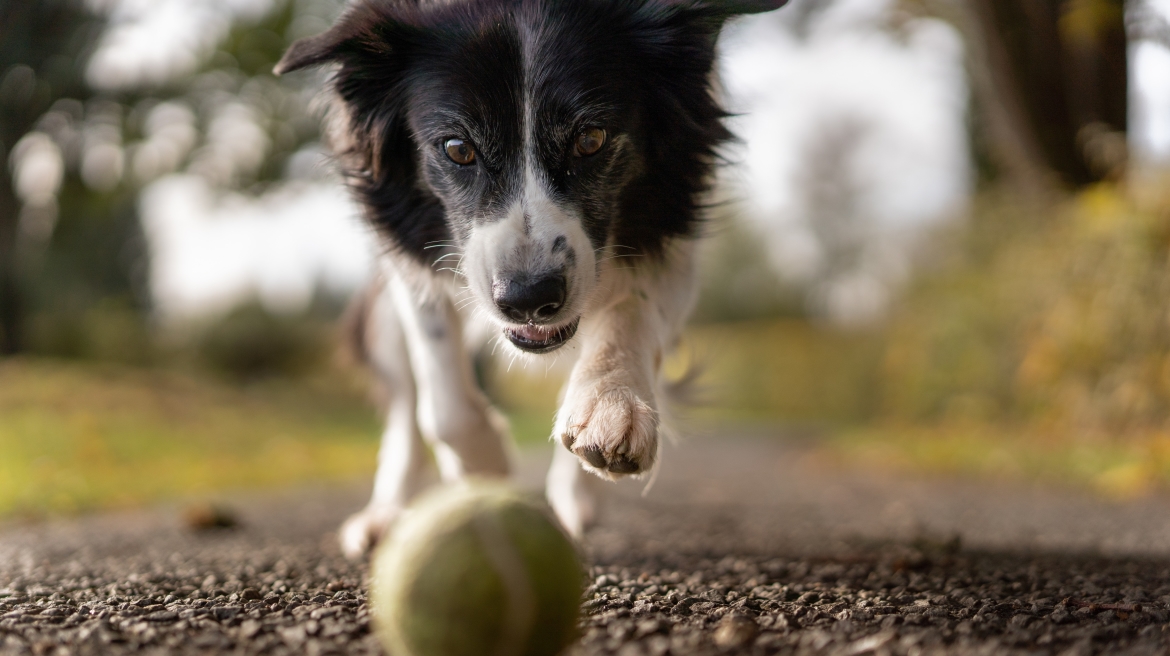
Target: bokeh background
(943,245)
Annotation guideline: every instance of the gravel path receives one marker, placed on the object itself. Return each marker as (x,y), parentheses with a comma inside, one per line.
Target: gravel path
(742,546)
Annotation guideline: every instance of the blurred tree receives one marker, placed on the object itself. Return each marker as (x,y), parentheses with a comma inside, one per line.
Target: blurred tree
(739,281)
(802,15)
(72,250)
(43,49)
(1061,69)
(1145,23)
(850,284)
(1051,85)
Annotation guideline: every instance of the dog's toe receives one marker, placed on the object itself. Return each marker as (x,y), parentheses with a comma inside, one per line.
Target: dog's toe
(593,456)
(618,463)
(612,430)
(621,464)
(362,531)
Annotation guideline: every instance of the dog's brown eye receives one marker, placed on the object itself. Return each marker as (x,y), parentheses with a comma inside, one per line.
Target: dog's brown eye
(590,141)
(459,151)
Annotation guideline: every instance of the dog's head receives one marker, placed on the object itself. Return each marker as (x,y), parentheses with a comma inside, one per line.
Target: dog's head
(525,142)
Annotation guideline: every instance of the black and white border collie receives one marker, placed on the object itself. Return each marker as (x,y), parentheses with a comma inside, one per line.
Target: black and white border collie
(537,166)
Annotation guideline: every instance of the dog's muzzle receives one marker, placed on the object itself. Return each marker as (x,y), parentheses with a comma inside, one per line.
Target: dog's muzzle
(533,303)
(541,339)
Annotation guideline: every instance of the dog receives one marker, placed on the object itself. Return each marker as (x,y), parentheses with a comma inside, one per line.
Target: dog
(537,167)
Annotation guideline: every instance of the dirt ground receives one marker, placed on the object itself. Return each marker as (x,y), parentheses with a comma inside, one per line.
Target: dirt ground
(743,546)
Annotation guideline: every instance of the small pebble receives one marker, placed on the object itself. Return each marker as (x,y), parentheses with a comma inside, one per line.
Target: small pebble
(205,516)
(735,631)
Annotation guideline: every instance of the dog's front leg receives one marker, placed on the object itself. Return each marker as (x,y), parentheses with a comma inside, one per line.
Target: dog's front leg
(466,435)
(414,344)
(609,417)
(402,461)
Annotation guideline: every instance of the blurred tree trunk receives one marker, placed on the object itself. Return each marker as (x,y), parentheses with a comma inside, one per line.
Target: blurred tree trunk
(1059,71)
(11,323)
(44,45)
(14,122)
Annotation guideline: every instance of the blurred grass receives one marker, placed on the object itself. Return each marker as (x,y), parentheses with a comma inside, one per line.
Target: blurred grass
(751,373)
(1033,344)
(761,360)
(76,437)
(786,370)
(1118,469)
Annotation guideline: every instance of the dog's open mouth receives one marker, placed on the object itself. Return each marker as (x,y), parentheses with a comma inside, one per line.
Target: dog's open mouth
(541,339)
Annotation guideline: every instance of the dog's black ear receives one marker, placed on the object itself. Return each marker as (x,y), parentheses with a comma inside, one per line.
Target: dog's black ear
(714,13)
(738,7)
(367,28)
(311,51)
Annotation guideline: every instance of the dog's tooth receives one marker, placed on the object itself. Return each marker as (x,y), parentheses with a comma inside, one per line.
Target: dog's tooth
(623,448)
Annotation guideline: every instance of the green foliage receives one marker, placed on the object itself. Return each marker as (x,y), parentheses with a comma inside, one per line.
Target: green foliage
(1053,316)
(45,46)
(791,371)
(739,282)
(85,247)
(251,343)
(239,72)
(43,50)
(111,330)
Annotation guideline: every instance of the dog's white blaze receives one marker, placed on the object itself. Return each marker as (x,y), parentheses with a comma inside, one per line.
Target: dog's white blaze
(550,221)
(507,246)
(522,240)
(486,250)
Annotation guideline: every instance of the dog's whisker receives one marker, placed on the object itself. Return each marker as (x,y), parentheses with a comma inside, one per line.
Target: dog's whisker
(618,257)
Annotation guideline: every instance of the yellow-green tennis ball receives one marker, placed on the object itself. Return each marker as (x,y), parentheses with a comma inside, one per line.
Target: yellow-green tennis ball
(476,569)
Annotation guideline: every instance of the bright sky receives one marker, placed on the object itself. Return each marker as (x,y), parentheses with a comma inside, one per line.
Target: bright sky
(211,252)
(152,41)
(911,98)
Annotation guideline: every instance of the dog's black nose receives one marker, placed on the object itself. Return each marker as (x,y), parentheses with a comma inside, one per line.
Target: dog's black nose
(524,299)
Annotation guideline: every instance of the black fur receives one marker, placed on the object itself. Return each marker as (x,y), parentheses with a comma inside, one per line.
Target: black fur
(415,75)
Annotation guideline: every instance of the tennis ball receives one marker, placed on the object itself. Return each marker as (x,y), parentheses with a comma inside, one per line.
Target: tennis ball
(476,569)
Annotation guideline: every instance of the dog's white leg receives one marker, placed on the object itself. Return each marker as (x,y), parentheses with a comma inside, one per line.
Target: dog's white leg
(466,434)
(568,490)
(609,417)
(402,460)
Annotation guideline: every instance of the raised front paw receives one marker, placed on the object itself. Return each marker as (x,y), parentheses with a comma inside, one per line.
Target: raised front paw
(611,429)
(365,528)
